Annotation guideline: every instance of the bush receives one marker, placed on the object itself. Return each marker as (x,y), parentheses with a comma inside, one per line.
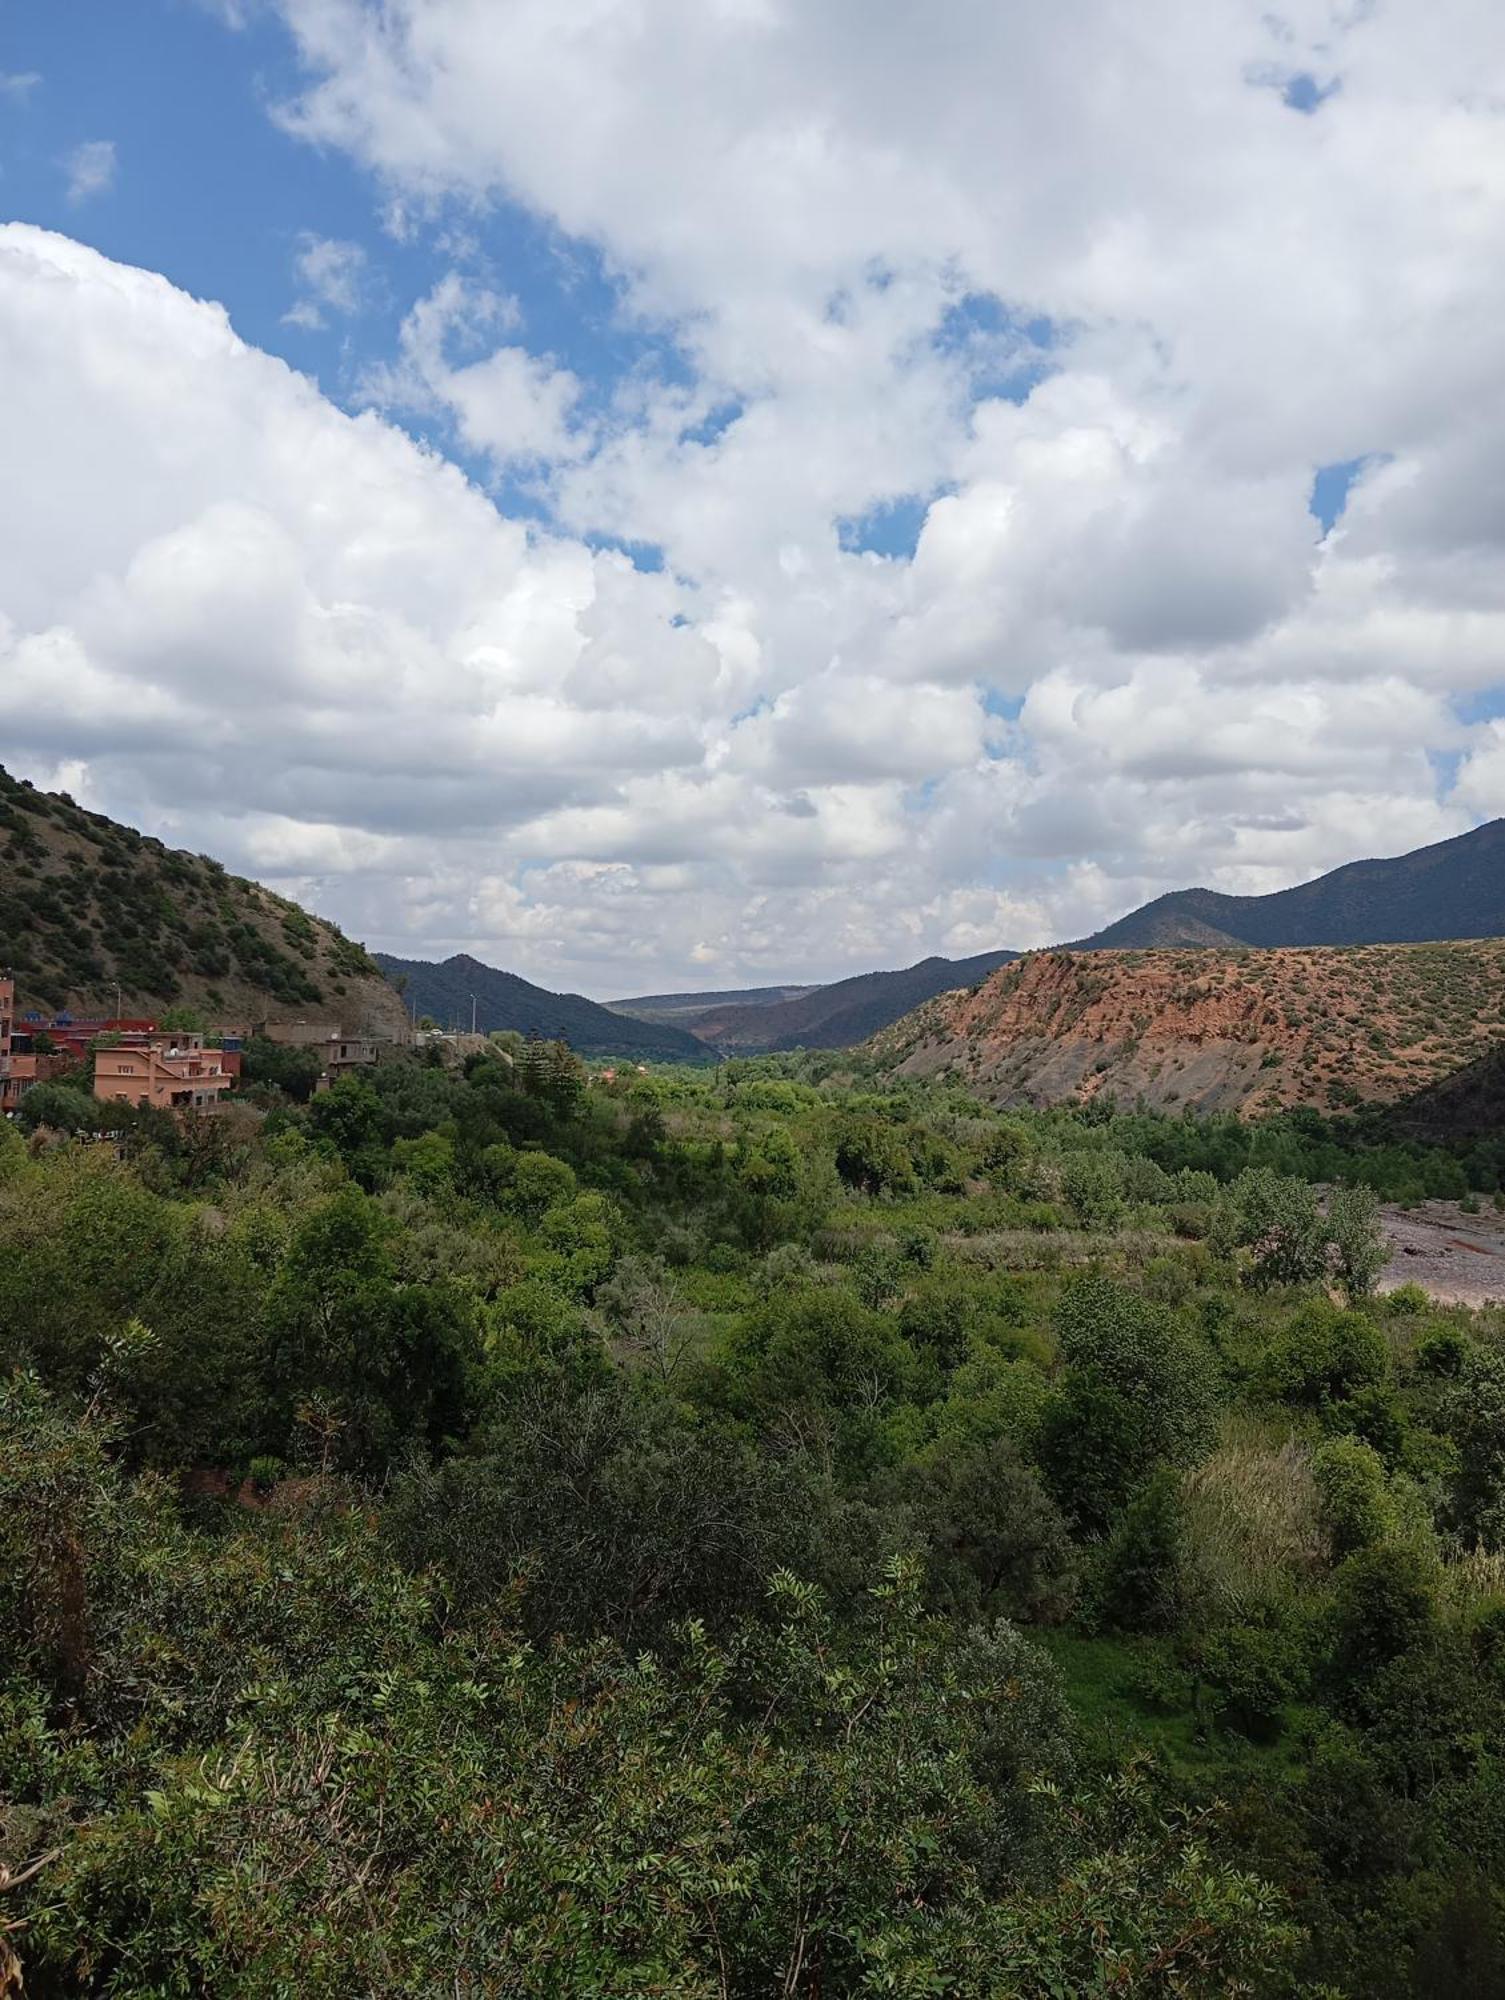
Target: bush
(1138,1393)
(1255,1667)
(1356,1505)
(61,1107)
(1442,1354)
(1142,1579)
(1324,1353)
(1384,1606)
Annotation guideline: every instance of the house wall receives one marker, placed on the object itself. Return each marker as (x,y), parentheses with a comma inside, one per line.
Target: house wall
(168,1083)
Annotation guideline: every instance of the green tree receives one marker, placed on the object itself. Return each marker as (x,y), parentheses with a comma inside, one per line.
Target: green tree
(1324,1355)
(360,1365)
(1280,1222)
(1359,1248)
(183,1020)
(1143,1578)
(997,1544)
(1384,1606)
(1472,1416)
(282,1066)
(872,1158)
(1138,1393)
(62,1107)
(1356,1504)
(538,1183)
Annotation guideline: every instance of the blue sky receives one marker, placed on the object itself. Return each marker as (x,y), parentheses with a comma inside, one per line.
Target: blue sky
(209,190)
(933,480)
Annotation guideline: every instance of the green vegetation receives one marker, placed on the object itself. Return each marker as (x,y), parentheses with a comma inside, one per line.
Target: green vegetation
(738,1533)
(86,904)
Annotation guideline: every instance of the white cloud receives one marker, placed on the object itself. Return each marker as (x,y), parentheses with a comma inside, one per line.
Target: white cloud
(1088,301)
(16,86)
(1481,777)
(91,169)
(332,276)
(507,406)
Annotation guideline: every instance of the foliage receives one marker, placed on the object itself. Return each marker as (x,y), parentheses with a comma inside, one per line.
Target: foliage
(61,1106)
(283,1066)
(494,1525)
(1138,1393)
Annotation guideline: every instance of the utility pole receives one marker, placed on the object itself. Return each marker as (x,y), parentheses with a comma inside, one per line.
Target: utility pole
(472,1013)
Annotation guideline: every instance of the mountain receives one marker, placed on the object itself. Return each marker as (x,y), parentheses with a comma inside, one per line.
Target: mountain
(1455,889)
(680,1006)
(88,906)
(838,1016)
(502,1000)
(1463,1108)
(1216,1029)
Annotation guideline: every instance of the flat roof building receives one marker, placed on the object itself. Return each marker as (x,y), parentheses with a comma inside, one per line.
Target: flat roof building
(172,1079)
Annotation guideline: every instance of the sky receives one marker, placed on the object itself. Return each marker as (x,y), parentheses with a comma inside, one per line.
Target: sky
(692,493)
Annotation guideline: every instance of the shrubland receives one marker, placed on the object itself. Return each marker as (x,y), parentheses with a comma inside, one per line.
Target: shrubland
(502,1531)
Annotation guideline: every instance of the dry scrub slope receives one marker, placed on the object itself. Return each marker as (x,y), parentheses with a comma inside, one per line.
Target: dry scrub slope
(1225,1030)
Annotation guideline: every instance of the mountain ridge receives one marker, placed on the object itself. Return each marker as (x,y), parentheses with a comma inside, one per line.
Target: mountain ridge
(676,1006)
(844,1013)
(505,1000)
(1451,889)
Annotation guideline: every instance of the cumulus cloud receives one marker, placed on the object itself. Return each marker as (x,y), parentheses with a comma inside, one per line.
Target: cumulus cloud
(1087,310)
(91,169)
(507,405)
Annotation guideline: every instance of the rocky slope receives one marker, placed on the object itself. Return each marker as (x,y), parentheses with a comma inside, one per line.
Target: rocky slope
(503,1000)
(1454,889)
(88,906)
(1242,1030)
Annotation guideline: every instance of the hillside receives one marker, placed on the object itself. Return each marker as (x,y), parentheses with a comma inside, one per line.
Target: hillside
(1455,889)
(88,906)
(502,1000)
(1214,1029)
(1461,1108)
(841,1015)
(679,1007)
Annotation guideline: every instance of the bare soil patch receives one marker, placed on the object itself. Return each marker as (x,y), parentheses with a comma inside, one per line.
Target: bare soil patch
(1457,1259)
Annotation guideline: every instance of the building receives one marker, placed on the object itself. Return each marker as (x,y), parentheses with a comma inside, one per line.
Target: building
(135,1061)
(338,1053)
(177,1078)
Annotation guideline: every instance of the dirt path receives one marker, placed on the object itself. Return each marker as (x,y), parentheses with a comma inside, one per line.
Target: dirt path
(1456,1258)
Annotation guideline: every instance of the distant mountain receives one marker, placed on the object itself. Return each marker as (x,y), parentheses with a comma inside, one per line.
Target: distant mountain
(841,1015)
(1455,889)
(101,919)
(1219,1030)
(502,1000)
(678,1006)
